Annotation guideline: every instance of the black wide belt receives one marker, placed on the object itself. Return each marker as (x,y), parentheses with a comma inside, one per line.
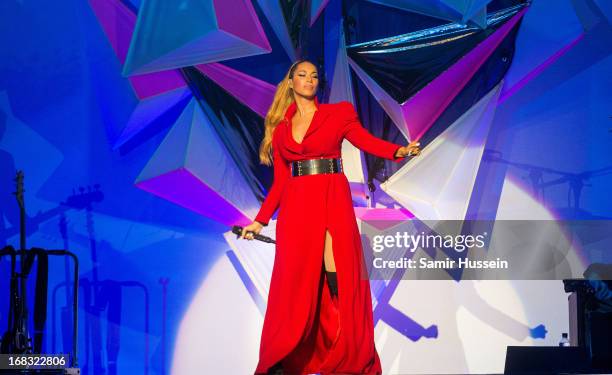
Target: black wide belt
(316,166)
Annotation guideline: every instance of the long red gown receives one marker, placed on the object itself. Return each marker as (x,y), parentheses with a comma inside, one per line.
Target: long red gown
(303,326)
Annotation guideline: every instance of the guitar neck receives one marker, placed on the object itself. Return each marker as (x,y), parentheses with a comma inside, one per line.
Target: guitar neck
(40,218)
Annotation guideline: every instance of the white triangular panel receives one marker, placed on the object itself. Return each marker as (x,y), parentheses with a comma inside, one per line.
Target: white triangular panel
(437,184)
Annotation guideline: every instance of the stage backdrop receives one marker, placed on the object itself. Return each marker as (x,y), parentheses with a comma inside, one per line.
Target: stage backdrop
(137,125)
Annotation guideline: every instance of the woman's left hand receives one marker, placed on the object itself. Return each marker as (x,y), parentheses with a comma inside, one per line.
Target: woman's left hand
(411,150)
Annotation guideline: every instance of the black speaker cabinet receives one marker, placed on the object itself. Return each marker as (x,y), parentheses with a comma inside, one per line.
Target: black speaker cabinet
(531,360)
(599,338)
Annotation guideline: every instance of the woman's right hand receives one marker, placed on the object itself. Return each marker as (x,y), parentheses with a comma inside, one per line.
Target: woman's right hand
(254,227)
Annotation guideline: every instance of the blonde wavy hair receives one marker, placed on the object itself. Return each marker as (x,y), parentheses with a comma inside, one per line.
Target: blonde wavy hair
(282,100)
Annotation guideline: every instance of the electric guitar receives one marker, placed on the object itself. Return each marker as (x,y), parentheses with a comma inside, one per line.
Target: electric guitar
(17,339)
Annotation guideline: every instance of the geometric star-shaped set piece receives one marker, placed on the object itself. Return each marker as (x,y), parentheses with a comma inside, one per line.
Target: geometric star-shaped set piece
(151,110)
(461,11)
(415,110)
(193,168)
(250,91)
(160,94)
(274,14)
(174,34)
(438,184)
(118,21)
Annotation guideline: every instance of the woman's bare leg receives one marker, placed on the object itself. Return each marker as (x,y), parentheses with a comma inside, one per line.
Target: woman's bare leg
(328,255)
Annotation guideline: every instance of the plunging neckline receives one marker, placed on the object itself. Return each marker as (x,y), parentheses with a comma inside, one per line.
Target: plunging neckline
(307,129)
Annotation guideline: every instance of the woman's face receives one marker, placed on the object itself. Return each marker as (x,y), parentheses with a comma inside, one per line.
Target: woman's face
(305,80)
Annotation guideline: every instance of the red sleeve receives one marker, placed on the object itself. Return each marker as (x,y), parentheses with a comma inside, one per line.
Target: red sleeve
(281,174)
(362,139)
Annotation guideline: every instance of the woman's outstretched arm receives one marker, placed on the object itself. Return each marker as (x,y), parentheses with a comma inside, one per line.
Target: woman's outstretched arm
(360,137)
(281,174)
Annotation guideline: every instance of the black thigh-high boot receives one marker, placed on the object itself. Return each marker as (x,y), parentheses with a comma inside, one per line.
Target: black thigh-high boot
(332,282)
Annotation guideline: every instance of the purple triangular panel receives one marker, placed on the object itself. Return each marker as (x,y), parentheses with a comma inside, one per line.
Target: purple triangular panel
(192,168)
(118,22)
(252,92)
(422,109)
(238,17)
(181,187)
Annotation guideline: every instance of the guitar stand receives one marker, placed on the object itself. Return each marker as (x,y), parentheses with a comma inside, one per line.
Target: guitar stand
(40,310)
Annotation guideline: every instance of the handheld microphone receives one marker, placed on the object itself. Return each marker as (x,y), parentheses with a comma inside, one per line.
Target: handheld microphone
(237,230)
